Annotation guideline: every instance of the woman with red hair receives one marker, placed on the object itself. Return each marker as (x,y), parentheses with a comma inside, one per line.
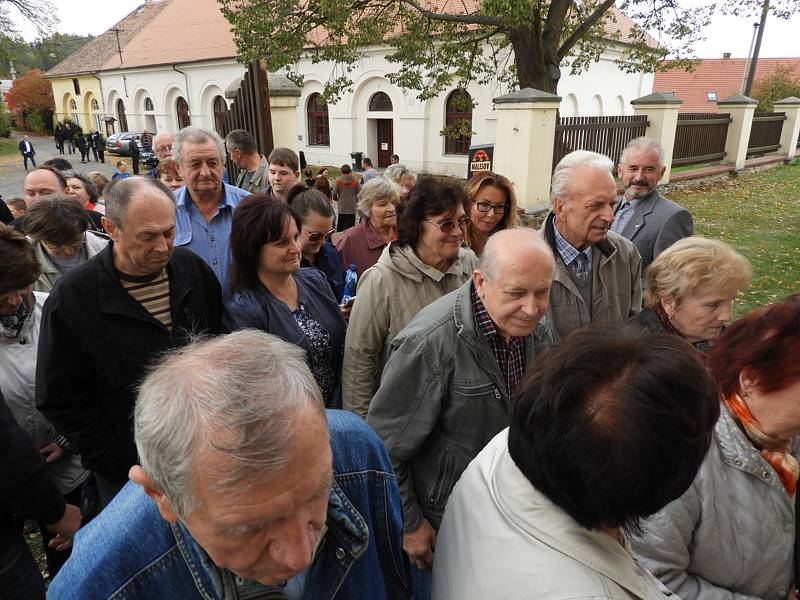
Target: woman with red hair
(732,534)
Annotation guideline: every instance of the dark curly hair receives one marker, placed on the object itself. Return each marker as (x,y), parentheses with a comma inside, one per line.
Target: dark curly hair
(433,195)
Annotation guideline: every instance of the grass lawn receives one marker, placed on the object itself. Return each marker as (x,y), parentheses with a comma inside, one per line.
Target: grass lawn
(759,215)
(9,146)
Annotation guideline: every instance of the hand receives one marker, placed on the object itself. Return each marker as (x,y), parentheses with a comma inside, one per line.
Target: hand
(419,546)
(346,310)
(51,451)
(792,593)
(65,528)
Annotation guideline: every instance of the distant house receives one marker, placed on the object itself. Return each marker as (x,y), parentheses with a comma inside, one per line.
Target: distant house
(714,79)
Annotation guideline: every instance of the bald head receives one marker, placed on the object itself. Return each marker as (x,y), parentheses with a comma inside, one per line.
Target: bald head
(513,280)
(43,181)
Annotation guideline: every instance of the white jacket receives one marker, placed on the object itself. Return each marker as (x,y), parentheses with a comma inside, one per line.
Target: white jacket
(501,538)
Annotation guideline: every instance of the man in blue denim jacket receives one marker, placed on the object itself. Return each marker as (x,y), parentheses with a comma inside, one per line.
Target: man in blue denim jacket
(244,491)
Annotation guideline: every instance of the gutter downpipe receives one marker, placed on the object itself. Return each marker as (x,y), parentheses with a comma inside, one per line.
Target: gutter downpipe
(186,83)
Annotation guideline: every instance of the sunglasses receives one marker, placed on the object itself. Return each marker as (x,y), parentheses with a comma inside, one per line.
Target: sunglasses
(498,209)
(448,226)
(315,236)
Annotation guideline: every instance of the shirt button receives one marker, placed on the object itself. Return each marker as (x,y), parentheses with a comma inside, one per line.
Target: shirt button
(782,594)
(340,553)
(737,462)
(239,581)
(213,239)
(214,262)
(765,474)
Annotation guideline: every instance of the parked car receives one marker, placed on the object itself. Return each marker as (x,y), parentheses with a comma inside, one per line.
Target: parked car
(118,144)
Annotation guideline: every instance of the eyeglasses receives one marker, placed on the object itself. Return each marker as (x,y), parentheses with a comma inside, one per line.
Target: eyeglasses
(315,236)
(164,148)
(498,209)
(448,226)
(64,249)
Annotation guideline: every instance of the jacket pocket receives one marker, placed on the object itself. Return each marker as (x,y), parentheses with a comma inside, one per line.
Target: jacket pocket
(440,487)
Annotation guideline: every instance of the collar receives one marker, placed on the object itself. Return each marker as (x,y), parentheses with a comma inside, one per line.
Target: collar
(567,251)
(485,322)
(374,240)
(606,247)
(183,199)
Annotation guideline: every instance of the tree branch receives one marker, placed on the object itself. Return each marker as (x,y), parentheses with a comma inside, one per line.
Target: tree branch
(581,29)
(449,18)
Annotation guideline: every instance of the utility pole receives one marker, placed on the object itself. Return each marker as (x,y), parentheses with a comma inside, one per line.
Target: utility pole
(754,61)
(117,30)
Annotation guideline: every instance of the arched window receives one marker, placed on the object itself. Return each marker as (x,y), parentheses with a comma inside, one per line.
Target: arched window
(182,110)
(148,104)
(95,104)
(318,127)
(380,102)
(458,116)
(121,116)
(73,105)
(220,112)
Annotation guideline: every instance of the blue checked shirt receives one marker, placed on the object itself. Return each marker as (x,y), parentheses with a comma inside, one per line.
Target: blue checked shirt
(210,241)
(581,269)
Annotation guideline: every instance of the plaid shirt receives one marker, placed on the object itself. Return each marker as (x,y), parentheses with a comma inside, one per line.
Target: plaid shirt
(510,357)
(569,254)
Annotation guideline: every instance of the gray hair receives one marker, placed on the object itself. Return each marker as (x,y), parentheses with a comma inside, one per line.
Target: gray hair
(644,143)
(497,243)
(196,135)
(119,193)
(239,139)
(162,134)
(564,172)
(374,190)
(239,395)
(397,172)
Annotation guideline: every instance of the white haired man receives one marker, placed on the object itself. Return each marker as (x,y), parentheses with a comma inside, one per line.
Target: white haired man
(451,378)
(598,272)
(246,489)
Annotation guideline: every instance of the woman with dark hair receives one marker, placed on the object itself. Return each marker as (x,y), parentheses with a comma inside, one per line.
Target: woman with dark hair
(20,320)
(273,293)
(732,534)
(317,250)
(323,185)
(79,186)
(58,227)
(425,262)
(608,428)
(493,206)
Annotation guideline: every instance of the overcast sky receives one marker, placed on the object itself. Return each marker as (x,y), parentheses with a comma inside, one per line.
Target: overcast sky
(726,34)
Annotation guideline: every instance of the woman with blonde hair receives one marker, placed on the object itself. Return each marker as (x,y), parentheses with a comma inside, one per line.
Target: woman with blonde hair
(493,206)
(690,289)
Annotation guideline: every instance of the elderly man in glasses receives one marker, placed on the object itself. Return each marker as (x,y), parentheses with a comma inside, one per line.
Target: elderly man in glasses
(452,377)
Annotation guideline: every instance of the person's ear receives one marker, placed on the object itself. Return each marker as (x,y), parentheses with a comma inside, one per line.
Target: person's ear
(661,172)
(297,174)
(669,305)
(139,477)
(478,280)
(111,229)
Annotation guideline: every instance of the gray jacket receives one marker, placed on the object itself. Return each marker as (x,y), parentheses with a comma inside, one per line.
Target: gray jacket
(656,224)
(442,398)
(95,243)
(731,535)
(616,285)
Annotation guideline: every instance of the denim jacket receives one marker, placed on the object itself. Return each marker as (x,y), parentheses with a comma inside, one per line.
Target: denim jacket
(129,551)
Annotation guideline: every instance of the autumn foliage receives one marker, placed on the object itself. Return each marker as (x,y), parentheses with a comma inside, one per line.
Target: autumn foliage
(31,100)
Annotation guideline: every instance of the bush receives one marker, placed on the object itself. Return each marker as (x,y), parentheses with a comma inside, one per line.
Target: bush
(36,122)
(5,123)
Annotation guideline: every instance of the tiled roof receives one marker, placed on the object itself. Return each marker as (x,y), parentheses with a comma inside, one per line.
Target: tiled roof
(91,57)
(722,76)
(185,31)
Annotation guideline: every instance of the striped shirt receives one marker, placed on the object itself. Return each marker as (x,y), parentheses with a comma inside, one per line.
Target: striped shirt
(153,295)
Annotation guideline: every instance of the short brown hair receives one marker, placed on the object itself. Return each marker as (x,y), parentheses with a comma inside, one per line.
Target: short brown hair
(284,157)
(167,167)
(20,267)
(58,220)
(99,180)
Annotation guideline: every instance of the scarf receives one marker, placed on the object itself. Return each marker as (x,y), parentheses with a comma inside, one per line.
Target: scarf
(11,325)
(776,451)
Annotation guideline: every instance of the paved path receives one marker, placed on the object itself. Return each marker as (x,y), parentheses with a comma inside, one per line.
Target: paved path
(12,172)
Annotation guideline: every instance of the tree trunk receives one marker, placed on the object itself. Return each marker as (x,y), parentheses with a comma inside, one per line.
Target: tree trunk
(533,70)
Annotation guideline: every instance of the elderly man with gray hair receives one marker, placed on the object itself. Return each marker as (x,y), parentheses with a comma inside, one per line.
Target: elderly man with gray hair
(247,489)
(598,272)
(205,205)
(109,318)
(642,215)
(452,376)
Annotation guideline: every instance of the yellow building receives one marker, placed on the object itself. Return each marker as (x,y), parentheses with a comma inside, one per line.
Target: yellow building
(77,91)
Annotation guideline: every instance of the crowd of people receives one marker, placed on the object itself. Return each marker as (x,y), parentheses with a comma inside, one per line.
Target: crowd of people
(198,402)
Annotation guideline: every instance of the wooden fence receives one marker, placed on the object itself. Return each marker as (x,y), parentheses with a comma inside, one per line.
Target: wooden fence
(606,135)
(700,138)
(765,134)
(250,111)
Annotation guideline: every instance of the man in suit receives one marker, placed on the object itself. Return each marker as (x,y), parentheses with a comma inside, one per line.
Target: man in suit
(27,151)
(641,214)
(133,152)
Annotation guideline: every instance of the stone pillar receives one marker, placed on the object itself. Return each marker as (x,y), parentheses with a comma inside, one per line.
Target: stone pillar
(791,126)
(523,151)
(284,97)
(741,109)
(662,114)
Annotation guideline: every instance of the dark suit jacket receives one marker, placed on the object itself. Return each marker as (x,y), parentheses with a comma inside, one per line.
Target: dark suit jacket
(22,148)
(656,224)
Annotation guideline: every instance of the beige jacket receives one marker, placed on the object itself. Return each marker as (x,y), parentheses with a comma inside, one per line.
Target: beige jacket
(389,295)
(95,243)
(502,538)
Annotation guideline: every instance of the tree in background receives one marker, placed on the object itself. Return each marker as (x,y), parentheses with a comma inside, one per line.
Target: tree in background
(31,101)
(44,53)
(783,82)
(439,43)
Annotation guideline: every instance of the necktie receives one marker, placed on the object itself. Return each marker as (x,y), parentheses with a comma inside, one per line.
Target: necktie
(622,217)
